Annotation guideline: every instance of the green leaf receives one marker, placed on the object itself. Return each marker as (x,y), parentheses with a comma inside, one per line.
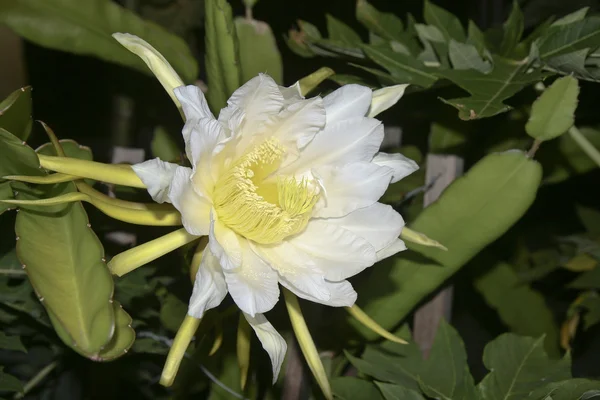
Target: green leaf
(446,139)
(16,158)
(222,56)
(86,28)
(575,64)
(9,383)
(135,284)
(72,149)
(476,37)
(465,56)
(122,338)
(350,388)
(172,312)
(567,38)
(15,113)
(572,389)
(553,113)
(403,68)
(488,91)
(432,38)
(587,280)
(6,192)
(519,365)
(472,212)
(163,146)
(258,50)
(591,304)
(385,25)
(339,31)
(11,343)
(445,21)
(395,392)
(513,30)
(520,307)
(573,17)
(64,260)
(445,374)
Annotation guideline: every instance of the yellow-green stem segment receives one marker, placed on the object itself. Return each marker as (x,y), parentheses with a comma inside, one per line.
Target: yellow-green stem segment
(184,336)
(367,321)
(118,174)
(243,349)
(140,255)
(306,343)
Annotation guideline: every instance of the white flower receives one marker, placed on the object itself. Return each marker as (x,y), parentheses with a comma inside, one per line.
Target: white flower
(286,188)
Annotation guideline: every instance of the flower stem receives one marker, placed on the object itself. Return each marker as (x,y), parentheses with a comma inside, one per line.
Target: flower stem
(307,345)
(184,336)
(585,144)
(243,349)
(367,321)
(33,382)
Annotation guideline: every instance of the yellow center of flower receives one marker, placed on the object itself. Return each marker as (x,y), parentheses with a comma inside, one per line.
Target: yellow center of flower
(263,211)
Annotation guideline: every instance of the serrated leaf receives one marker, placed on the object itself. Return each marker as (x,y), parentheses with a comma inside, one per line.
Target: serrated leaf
(86,28)
(520,307)
(513,30)
(471,213)
(11,343)
(445,21)
(385,25)
(519,365)
(488,91)
(465,56)
(475,37)
(395,392)
(15,113)
(339,31)
(553,113)
(575,64)
(403,68)
(432,37)
(563,39)
(445,374)
(350,388)
(9,383)
(64,260)
(572,389)
(222,55)
(258,50)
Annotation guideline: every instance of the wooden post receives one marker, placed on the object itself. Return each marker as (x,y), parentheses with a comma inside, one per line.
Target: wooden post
(441,171)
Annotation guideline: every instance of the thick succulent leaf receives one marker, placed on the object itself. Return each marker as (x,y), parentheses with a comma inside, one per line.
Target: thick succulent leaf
(15,113)
(403,68)
(86,28)
(488,91)
(122,338)
(520,307)
(258,50)
(570,37)
(519,365)
(553,113)
(445,21)
(6,192)
(64,263)
(349,388)
(471,213)
(16,158)
(222,56)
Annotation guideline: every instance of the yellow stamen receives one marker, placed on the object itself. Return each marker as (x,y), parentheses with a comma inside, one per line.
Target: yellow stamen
(261,211)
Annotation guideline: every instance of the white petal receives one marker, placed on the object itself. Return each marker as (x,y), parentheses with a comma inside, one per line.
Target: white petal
(349,101)
(193,102)
(336,251)
(259,98)
(343,142)
(159,66)
(296,269)
(194,209)
(395,247)
(209,287)
(291,94)
(385,97)
(299,122)
(342,294)
(208,139)
(224,243)
(379,224)
(253,285)
(349,187)
(271,341)
(402,166)
(157,175)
